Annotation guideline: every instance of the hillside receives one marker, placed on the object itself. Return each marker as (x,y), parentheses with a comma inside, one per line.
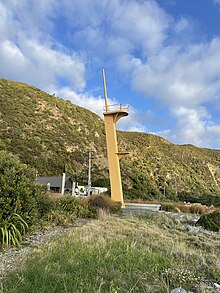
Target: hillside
(47,132)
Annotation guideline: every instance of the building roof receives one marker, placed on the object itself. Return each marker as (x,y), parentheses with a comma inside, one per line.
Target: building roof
(55,181)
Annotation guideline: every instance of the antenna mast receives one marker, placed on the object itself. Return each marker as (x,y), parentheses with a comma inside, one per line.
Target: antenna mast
(105,90)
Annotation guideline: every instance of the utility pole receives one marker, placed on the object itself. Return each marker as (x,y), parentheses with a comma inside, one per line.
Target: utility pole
(89,173)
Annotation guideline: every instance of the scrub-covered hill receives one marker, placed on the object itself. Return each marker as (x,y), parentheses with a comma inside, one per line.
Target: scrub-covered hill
(47,133)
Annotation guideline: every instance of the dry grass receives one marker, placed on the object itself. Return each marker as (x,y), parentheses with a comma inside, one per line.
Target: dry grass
(187,208)
(103,202)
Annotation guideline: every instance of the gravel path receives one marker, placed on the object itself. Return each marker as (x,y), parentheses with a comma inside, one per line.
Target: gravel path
(11,259)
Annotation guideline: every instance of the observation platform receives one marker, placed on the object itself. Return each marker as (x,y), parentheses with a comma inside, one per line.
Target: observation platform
(116,110)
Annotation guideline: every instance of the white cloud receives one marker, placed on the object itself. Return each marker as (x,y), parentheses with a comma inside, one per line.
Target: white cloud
(143,23)
(191,125)
(185,78)
(29,53)
(133,122)
(216,2)
(26,54)
(29,17)
(96,105)
(150,49)
(195,126)
(40,65)
(114,28)
(215,129)
(182,25)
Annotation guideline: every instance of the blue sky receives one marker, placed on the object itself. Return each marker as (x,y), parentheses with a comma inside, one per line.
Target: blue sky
(160,57)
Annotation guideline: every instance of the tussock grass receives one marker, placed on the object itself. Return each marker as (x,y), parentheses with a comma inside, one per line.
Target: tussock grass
(151,253)
(104,202)
(188,208)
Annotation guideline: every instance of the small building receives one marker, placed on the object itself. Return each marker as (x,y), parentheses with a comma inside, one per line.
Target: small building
(95,190)
(55,183)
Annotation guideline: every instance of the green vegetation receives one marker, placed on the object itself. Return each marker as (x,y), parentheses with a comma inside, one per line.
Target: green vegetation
(63,211)
(147,254)
(210,221)
(18,190)
(47,132)
(25,204)
(11,230)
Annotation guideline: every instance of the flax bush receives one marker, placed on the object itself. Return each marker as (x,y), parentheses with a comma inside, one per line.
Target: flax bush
(11,230)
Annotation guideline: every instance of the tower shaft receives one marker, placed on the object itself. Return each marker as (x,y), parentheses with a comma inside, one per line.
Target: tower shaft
(113,159)
(110,119)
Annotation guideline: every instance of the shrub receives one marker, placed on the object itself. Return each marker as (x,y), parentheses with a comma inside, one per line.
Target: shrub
(204,199)
(210,221)
(62,210)
(45,204)
(76,207)
(18,191)
(60,217)
(104,202)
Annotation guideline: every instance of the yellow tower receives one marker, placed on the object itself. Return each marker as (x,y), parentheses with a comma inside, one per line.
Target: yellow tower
(112,113)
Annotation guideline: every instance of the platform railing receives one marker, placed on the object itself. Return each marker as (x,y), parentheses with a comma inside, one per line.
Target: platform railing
(115,107)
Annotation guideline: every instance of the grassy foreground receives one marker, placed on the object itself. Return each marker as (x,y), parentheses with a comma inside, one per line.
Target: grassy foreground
(122,254)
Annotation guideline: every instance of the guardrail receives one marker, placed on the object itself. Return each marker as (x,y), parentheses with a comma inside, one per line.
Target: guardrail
(143,206)
(115,107)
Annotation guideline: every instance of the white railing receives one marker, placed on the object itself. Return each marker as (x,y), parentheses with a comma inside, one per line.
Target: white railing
(115,107)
